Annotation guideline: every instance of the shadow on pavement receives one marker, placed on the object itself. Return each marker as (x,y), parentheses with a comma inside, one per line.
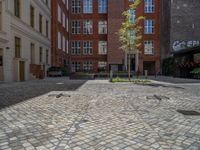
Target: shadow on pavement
(174,80)
(165,86)
(13,93)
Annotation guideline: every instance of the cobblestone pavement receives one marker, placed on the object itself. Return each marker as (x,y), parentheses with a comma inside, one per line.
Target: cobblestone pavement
(104,116)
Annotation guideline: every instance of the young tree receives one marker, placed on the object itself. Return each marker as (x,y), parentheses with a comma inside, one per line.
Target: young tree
(130,33)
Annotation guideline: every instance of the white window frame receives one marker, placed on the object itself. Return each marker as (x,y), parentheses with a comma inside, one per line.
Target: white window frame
(76,47)
(88,27)
(149,26)
(149,6)
(102,27)
(87,6)
(102,50)
(87,47)
(148,47)
(102,6)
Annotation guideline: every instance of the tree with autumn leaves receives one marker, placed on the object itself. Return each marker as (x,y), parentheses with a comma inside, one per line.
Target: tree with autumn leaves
(130,35)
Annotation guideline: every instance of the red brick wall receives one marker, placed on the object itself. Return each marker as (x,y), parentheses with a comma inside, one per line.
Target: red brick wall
(155,37)
(58,55)
(115,19)
(95,37)
(115,54)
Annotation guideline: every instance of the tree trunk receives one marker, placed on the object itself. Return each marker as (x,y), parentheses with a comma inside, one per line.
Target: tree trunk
(129,66)
(137,64)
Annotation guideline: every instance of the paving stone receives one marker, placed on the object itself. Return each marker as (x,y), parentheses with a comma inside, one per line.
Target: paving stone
(98,115)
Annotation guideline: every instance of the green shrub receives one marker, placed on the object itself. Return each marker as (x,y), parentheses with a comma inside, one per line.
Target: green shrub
(135,81)
(196,71)
(65,71)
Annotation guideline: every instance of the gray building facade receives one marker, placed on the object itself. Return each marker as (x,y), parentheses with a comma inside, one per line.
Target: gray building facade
(180,32)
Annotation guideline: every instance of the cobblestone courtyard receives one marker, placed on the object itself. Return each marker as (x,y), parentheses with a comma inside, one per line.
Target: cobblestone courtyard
(57,114)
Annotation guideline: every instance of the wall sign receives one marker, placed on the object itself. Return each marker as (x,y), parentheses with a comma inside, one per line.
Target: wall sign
(180,45)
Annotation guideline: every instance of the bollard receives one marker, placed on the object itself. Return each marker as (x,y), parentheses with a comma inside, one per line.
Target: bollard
(111,75)
(146,74)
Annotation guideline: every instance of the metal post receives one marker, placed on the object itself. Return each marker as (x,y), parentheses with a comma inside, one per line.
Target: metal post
(111,75)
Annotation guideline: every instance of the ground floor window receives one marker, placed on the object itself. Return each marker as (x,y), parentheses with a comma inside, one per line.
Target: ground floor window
(150,67)
(87,66)
(76,66)
(197,57)
(102,66)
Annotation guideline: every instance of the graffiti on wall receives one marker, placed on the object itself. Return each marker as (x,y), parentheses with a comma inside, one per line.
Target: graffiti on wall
(180,45)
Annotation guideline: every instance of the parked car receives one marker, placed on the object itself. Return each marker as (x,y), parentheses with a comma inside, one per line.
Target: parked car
(54,72)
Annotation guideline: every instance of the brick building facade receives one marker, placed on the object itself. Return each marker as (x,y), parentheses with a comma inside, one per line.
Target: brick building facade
(93,43)
(59,32)
(149,57)
(85,36)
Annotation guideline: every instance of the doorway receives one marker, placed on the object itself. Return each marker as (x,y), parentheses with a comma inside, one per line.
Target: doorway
(21,71)
(1,65)
(150,66)
(133,63)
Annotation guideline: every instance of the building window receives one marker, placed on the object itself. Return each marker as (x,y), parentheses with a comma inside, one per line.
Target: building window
(47,2)
(76,66)
(17,47)
(17,8)
(67,4)
(87,27)
(63,42)
(63,20)
(59,40)
(40,55)
(102,27)
(0,15)
(148,47)
(59,13)
(102,66)
(47,28)
(87,66)
(32,16)
(103,6)
(102,47)
(76,6)
(76,27)
(149,6)
(40,23)
(87,47)
(76,47)
(47,56)
(67,24)
(149,26)
(132,15)
(32,53)
(87,4)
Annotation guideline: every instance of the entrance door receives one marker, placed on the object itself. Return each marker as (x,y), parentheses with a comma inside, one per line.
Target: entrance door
(21,70)
(1,65)
(150,66)
(133,64)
